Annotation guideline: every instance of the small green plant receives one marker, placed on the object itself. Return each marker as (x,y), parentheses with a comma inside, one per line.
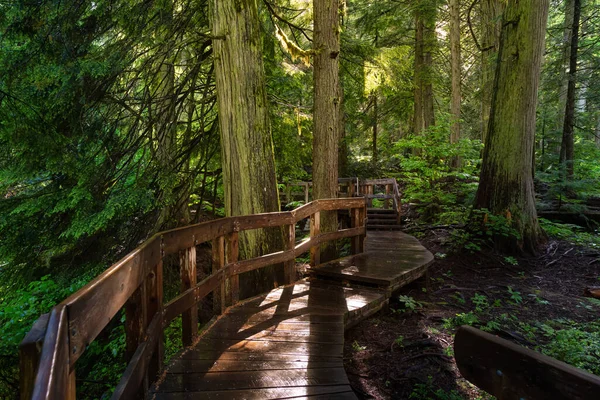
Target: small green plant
(511,260)
(577,345)
(357,347)
(426,391)
(399,341)
(515,296)
(461,319)
(459,298)
(480,301)
(409,304)
(491,326)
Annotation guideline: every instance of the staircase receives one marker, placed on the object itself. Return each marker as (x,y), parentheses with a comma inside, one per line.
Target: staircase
(381,219)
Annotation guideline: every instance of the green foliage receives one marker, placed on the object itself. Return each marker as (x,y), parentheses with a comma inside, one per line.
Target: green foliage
(409,304)
(480,302)
(468,318)
(426,162)
(426,391)
(571,233)
(515,296)
(578,345)
(19,308)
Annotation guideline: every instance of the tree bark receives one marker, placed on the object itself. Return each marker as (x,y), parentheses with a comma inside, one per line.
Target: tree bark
(506,184)
(326,113)
(249,180)
(455,68)
(425,41)
(567,145)
(375,116)
(564,65)
(491,22)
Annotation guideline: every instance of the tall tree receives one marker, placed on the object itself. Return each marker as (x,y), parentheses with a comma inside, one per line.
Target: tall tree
(249,182)
(455,67)
(567,145)
(326,112)
(491,22)
(506,183)
(425,40)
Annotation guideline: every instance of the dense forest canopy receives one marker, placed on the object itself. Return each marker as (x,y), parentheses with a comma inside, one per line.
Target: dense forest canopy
(121,118)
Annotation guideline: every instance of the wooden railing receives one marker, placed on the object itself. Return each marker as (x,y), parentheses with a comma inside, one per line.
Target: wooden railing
(51,349)
(347,187)
(389,189)
(509,371)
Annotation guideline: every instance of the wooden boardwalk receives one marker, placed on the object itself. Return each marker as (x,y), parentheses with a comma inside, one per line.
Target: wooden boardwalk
(288,343)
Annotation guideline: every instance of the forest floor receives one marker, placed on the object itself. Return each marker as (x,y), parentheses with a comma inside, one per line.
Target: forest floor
(406,351)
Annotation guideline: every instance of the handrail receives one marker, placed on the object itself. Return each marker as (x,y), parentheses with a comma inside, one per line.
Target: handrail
(135,282)
(352,183)
(391,185)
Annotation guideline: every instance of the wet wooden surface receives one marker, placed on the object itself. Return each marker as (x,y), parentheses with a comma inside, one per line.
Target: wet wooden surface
(391,259)
(288,343)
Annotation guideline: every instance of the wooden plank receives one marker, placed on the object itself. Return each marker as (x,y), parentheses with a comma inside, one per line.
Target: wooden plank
(135,330)
(216,381)
(53,378)
(302,392)
(303,247)
(218,263)
(154,308)
(510,371)
(315,230)
(384,181)
(262,261)
(135,373)
(188,236)
(289,267)
(30,351)
(111,289)
(261,346)
(305,211)
(192,296)
(264,220)
(233,296)
(198,366)
(188,274)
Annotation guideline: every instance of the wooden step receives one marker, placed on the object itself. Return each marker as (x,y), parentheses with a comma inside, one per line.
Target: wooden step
(380,211)
(384,227)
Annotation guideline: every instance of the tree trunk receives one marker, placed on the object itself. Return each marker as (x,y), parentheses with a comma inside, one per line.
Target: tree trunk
(455,67)
(374,128)
(564,65)
(425,41)
(249,181)
(566,148)
(506,184)
(491,22)
(326,111)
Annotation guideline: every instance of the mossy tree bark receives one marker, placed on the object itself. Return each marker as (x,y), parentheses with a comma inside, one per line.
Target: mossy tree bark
(326,113)
(567,144)
(455,69)
(249,180)
(425,42)
(506,184)
(491,23)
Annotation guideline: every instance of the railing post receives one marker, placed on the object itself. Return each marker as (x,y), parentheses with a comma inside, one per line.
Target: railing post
(355,223)
(154,304)
(386,203)
(218,262)
(135,328)
(30,350)
(306,193)
(289,267)
(360,247)
(315,230)
(370,191)
(189,318)
(233,295)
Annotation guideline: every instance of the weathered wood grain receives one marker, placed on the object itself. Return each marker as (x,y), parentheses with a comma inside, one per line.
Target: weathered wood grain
(30,351)
(509,371)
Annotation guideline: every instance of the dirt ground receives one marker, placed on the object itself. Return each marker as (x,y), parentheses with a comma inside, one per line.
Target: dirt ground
(399,352)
